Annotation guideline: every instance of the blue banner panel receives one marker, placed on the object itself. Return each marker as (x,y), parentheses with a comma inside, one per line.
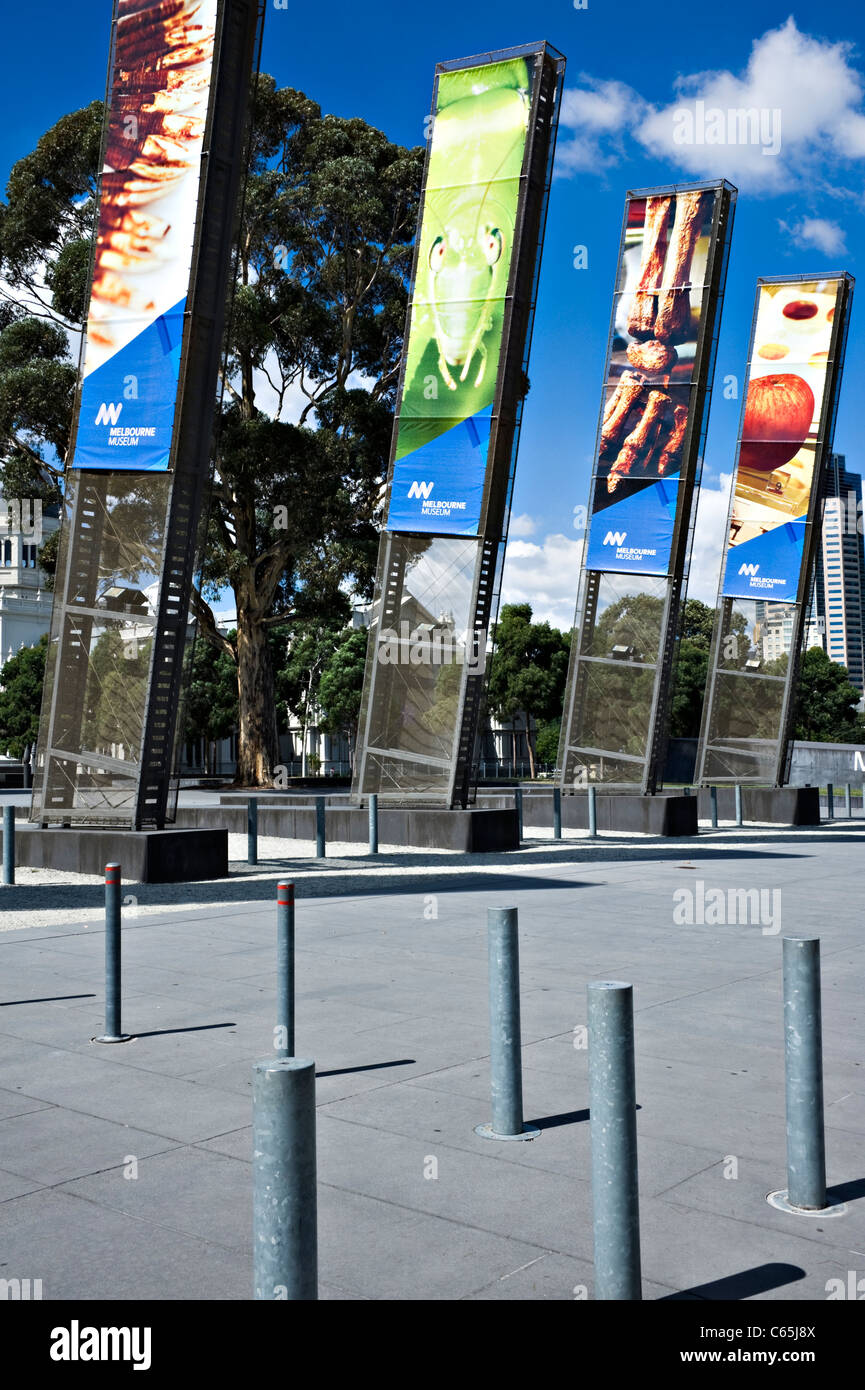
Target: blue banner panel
(634,536)
(767,566)
(439,487)
(127,405)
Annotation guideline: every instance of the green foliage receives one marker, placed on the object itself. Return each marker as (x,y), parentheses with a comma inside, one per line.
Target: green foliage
(826,708)
(21,697)
(529,668)
(341,684)
(211,694)
(547,740)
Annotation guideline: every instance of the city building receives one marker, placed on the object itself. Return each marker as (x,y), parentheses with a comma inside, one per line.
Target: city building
(25,603)
(839,587)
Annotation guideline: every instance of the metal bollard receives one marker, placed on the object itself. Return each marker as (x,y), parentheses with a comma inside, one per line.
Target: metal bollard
(9,844)
(848,801)
(803,1055)
(285,965)
(113,1032)
(739,820)
(830,801)
(518,806)
(252,831)
(319,828)
(373,824)
(557,813)
(713,798)
(285,1225)
(593,815)
(613,1120)
(505,1038)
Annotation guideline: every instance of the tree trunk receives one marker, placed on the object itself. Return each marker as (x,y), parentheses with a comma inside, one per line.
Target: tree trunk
(258,742)
(530,748)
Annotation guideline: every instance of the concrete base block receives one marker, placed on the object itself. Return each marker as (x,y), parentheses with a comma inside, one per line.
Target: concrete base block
(770,805)
(473,831)
(617,811)
(145,856)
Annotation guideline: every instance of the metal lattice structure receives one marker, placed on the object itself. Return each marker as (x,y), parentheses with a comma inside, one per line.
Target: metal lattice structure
(128,546)
(749,712)
(616,712)
(418,725)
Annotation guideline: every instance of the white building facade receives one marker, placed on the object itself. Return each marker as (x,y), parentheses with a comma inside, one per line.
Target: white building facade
(25,603)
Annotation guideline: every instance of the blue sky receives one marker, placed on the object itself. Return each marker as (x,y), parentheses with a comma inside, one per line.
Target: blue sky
(800,210)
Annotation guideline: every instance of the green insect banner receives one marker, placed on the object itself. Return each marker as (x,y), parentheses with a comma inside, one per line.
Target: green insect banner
(458,301)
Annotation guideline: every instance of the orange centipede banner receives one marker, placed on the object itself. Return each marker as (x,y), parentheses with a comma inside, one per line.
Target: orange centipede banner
(162,74)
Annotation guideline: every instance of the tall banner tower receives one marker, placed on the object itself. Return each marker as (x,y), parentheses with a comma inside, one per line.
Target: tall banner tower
(648,457)
(795,363)
(459,403)
(172,151)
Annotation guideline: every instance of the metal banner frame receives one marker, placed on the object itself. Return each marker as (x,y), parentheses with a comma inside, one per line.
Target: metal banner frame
(107,741)
(634,678)
(417,735)
(764,755)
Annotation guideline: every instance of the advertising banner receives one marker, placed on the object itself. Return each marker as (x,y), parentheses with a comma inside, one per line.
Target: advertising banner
(658,374)
(458,302)
(162,71)
(782,427)
(655,341)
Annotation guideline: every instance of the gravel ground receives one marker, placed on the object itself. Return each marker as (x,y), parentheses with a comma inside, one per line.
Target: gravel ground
(46,898)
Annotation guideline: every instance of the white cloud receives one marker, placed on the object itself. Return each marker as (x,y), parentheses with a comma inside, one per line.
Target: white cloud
(817,231)
(598,113)
(523,525)
(546,576)
(709,536)
(811,83)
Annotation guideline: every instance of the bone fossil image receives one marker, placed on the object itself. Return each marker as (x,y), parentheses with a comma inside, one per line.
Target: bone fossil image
(618,408)
(652,356)
(671,446)
(673,323)
(644,307)
(161,70)
(640,443)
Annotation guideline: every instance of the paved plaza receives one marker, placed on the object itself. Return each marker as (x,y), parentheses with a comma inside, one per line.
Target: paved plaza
(125,1171)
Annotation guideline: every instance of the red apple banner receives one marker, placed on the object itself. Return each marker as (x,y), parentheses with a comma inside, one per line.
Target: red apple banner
(782,430)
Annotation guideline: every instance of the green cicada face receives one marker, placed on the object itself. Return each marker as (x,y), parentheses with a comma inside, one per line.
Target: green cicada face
(470,210)
(465,262)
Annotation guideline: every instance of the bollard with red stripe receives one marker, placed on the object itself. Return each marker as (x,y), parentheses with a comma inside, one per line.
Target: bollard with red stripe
(113,1033)
(285,969)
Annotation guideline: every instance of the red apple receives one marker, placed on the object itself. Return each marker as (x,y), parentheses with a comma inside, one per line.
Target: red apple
(778,415)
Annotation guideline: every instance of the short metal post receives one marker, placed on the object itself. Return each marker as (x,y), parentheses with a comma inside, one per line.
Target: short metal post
(113,1032)
(285,967)
(252,831)
(557,813)
(738,790)
(373,824)
(713,799)
(613,1119)
(518,805)
(593,815)
(319,828)
(848,801)
(285,1225)
(9,844)
(803,1052)
(505,1037)
(830,801)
